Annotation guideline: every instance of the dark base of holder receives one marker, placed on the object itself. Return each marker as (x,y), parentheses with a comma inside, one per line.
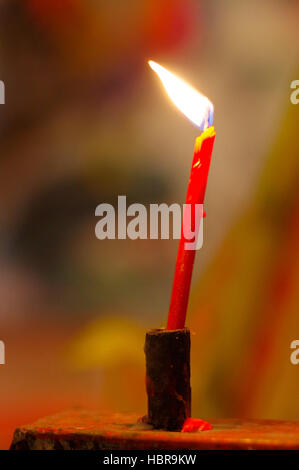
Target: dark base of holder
(88,430)
(167,355)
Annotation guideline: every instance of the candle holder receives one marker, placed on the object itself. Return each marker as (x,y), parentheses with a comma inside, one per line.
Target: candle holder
(167,354)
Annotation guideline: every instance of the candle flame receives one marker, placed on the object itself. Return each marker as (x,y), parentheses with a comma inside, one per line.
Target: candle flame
(197,107)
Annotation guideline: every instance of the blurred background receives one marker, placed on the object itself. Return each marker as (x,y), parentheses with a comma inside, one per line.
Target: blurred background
(86,120)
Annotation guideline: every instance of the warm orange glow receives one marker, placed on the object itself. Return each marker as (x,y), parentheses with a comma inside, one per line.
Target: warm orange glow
(197,107)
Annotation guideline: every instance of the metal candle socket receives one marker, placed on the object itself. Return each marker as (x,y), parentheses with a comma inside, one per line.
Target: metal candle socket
(167,354)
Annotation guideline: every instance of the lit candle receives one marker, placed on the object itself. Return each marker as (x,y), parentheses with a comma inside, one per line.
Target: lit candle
(199,110)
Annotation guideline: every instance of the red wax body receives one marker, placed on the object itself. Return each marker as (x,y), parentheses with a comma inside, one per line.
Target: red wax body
(185,258)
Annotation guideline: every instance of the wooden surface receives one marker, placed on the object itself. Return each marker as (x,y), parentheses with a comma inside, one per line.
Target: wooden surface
(81,429)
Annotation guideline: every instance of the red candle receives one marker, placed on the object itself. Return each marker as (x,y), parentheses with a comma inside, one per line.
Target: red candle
(199,110)
(185,258)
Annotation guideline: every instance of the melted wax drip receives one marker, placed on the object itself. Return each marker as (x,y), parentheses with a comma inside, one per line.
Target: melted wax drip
(195,424)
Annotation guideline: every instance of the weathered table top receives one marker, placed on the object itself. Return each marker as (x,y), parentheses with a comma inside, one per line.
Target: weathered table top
(82,429)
